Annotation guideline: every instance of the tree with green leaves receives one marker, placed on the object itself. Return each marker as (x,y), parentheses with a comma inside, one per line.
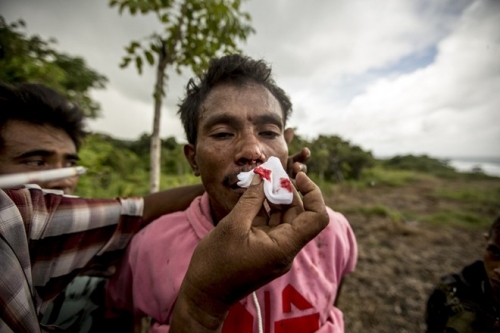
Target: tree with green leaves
(194,31)
(26,58)
(335,159)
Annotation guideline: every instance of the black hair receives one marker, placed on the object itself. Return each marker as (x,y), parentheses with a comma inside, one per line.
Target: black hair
(37,104)
(494,228)
(233,69)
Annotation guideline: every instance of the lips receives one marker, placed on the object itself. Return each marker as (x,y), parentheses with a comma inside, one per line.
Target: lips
(239,190)
(231,180)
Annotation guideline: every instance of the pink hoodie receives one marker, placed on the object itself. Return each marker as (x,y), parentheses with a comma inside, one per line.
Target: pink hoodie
(301,301)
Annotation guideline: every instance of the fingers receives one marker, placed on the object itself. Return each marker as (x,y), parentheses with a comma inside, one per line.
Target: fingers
(262,218)
(314,218)
(298,167)
(248,208)
(311,194)
(296,163)
(285,213)
(303,156)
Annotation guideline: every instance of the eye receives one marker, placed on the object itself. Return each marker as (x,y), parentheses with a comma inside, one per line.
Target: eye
(494,252)
(222,135)
(269,134)
(34,162)
(71,163)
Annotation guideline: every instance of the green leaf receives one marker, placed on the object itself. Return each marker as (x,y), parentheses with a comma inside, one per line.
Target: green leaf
(125,62)
(134,45)
(34,59)
(122,7)
(138,64)
(149,57)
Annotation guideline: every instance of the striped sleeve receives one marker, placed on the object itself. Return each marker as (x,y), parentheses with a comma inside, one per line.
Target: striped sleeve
(68,235)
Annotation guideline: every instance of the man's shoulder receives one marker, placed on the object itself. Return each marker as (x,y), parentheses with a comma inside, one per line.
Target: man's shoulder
(469,278)
(337,220)
(165,223)
(340,235)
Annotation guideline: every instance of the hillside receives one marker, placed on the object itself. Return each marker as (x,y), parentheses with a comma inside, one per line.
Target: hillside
(408,236)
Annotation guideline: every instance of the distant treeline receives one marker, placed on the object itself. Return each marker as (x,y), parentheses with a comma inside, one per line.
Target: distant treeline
(120,168)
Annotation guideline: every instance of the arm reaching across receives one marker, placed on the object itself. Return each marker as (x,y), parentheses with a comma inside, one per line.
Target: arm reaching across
(168,201)
(237,258)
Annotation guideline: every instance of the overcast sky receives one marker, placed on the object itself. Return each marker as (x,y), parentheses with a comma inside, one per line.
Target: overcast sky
(393,76)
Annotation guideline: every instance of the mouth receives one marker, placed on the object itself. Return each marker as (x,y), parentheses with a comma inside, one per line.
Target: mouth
(231,181)
(235,188)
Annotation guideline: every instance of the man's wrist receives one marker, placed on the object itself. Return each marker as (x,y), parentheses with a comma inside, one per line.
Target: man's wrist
(195,312)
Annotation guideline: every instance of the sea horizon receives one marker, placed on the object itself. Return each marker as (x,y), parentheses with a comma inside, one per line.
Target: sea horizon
(490,165)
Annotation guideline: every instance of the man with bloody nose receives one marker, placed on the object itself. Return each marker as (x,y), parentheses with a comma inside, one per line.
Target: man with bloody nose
(234,117)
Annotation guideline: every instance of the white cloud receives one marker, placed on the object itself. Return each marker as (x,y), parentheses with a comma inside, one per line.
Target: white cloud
(448,108)
(132,115)
(394,76)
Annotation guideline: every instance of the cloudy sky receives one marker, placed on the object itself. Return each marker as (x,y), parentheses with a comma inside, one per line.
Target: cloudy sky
(393,76)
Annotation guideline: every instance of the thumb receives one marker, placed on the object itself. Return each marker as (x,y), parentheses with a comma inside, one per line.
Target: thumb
(248,207)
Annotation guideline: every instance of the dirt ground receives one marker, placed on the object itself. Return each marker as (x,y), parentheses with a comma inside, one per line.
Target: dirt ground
(399,262)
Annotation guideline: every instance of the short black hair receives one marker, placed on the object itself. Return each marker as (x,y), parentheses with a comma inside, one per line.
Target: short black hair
(37,104)
(494,228)
(233,69)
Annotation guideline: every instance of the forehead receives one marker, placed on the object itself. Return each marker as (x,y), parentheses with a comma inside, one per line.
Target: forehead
(494,239)
(19,136)
(245,100)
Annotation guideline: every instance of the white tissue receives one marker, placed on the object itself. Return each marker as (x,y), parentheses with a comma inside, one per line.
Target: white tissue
(277,185)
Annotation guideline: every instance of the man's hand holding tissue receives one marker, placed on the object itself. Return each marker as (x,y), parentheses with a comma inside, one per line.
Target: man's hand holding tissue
(236,257)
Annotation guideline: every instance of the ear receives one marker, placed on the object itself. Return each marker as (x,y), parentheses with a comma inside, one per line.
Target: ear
(190,153)
(289,134)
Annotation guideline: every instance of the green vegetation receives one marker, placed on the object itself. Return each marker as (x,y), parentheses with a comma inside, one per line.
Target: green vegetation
(418,198)
(25,58)
(420,190)
(456,217)
(120,168)
(377,211)
(192,33)
(465,194)
(422,163)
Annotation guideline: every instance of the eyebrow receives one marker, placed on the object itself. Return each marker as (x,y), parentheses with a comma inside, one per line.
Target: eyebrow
(270,118)
(46,153)
(263,119)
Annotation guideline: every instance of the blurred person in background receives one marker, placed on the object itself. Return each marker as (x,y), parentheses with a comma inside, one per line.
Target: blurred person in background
(469,301)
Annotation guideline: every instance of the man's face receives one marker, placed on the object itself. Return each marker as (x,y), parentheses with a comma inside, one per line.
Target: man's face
(492,262)
(29,147)
(239,128)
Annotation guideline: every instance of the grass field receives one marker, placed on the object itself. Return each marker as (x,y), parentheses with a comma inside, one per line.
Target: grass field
(411,229)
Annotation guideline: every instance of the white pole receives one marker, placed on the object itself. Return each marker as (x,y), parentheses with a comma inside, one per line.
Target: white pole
(16,179)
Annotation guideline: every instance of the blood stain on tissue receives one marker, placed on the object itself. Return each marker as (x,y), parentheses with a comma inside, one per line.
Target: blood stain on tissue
(263,172)
(286,184)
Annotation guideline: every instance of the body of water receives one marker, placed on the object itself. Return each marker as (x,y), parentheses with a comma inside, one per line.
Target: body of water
(489,165)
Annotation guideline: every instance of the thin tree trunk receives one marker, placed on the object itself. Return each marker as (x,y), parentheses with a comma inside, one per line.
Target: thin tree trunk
(155,153)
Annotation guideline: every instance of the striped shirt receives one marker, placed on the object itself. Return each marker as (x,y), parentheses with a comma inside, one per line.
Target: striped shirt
(46,239)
